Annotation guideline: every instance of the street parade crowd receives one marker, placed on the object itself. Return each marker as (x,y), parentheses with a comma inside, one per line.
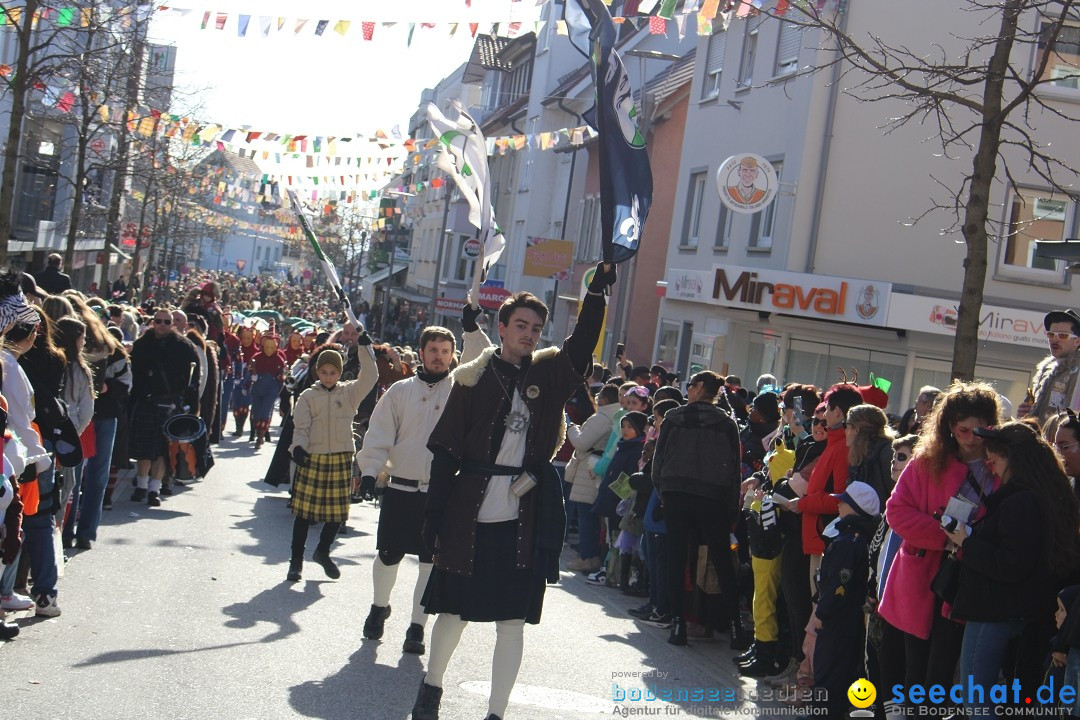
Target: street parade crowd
(828,540)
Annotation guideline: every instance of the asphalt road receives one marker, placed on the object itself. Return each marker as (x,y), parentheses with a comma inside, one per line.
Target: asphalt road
(183,611)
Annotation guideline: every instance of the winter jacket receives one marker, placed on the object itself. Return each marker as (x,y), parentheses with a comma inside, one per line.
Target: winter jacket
(588,440)
(115,374)
(1003,567)
(323,418)
(830,476)
(844,571)
(698,453)
(79,396)
(906,600)
(625,461)
(876,469)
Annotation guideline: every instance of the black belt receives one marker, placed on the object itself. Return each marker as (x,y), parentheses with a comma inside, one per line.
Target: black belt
(403,481)
(478,467)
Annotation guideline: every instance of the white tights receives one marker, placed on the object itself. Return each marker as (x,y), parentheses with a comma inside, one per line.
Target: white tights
(383,578)
(505,662)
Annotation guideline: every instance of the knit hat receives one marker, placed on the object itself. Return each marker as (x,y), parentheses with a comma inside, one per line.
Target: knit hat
(862,498)
(639,420)
(768,404)
(329,356)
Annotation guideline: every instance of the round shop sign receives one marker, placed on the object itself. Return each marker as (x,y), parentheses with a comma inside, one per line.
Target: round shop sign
(747,183)
(472,249)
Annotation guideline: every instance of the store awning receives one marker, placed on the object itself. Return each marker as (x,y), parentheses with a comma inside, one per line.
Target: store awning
(380,276)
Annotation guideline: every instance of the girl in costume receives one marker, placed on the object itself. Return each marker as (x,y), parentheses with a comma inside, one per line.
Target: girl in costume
(268,378)
(322,447)
(241,379)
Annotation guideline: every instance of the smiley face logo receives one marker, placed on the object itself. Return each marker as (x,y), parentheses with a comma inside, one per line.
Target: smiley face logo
(862,693)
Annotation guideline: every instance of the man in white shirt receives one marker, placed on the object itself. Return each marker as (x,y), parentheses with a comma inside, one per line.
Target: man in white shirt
(396,439)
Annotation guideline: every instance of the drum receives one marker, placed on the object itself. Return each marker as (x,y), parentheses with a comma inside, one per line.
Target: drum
(182,431)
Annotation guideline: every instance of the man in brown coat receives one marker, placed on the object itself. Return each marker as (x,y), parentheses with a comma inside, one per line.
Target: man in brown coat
(494,515)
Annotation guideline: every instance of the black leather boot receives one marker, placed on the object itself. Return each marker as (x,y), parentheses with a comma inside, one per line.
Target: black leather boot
(678,631)
(295,567)
(414,639)
(747,656)
(427,702)
(376,620)
(739,639)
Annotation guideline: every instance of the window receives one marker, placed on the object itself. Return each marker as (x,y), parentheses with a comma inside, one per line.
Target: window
(714,65)
(1063,66)
(787,49)
(588,248)
(749,51)
(764,222)
(1033,215)
(815,363)
(667,345)
(722,228)
(694,200)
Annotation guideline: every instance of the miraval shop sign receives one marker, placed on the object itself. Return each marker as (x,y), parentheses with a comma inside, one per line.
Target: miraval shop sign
(788,293)
(996,323)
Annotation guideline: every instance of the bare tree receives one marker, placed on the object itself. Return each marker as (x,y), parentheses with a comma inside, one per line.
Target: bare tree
(100,71)
(980,102)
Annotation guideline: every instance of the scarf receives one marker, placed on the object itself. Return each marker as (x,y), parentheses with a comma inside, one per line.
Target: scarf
(431,378)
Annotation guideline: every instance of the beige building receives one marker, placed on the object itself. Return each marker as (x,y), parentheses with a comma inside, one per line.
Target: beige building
(833,272)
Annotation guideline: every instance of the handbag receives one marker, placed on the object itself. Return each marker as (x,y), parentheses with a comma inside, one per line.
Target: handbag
(946,580)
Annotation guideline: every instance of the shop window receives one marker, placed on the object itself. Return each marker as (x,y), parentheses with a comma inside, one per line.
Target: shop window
(667,345)
(817,363)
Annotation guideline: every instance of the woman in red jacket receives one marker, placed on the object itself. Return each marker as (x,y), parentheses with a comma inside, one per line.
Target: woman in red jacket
(949,462)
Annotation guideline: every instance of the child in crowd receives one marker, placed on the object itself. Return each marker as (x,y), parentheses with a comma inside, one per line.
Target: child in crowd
(625,460)
(838,654)
(323,449)
(1066,646)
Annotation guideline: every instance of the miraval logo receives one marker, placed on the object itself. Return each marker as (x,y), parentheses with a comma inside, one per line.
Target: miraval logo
(688,284)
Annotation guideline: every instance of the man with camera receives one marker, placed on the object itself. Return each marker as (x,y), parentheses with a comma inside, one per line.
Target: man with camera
(165,377)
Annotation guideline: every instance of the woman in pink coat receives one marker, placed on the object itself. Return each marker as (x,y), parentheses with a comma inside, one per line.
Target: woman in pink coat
(949,462)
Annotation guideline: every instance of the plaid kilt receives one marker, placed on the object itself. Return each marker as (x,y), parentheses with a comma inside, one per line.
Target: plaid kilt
(146,439)
(321,490)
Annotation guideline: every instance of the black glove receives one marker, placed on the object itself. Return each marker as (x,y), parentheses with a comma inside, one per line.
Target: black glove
(301,456)
(601,280)
(364,339)
(469,315)
(430,531)
(367,487)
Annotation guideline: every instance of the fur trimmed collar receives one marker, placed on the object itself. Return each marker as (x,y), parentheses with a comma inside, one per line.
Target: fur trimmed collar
(469,373)
(1045,373)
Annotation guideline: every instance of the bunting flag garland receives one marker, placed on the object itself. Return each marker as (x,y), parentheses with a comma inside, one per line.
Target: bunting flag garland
(626,183)
(655,10)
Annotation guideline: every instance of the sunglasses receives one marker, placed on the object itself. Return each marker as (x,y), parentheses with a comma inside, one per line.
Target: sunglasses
(641,392)
(162,321)
(1051,335)
(819,421)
